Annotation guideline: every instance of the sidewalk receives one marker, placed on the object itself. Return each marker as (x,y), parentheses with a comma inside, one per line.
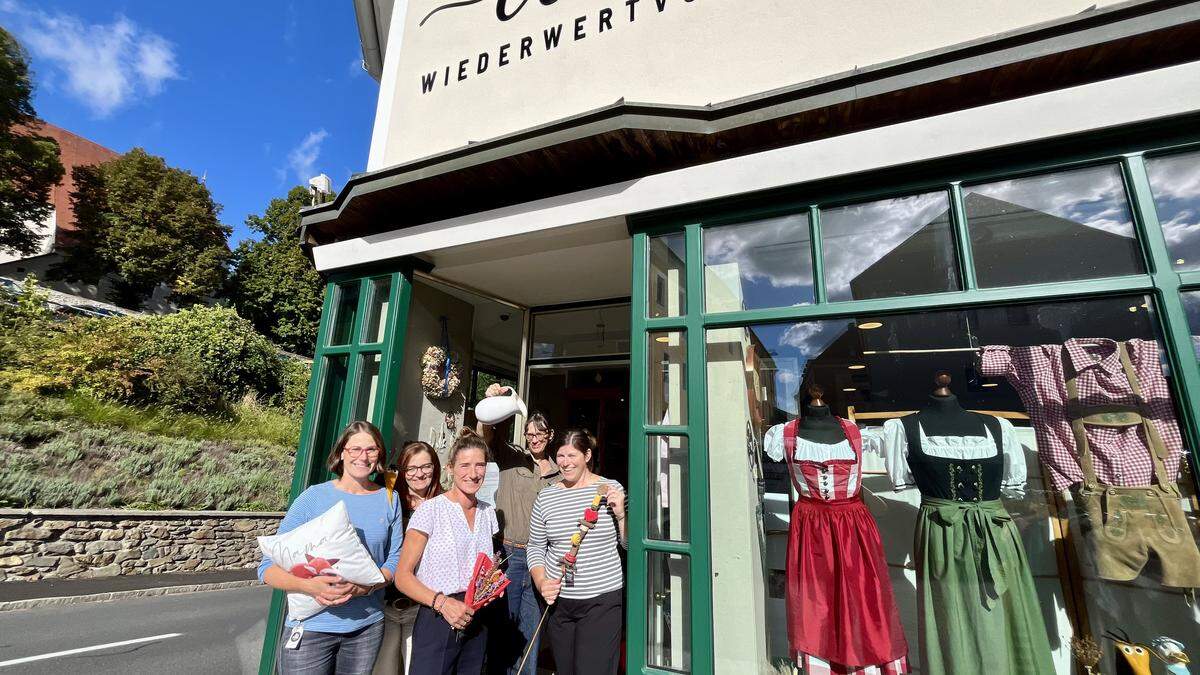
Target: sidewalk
(27,594)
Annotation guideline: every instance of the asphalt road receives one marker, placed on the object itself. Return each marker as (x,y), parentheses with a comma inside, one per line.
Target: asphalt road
(219,632)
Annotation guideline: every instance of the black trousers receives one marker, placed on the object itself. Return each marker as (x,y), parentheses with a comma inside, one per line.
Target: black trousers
(438,649)
(585,635)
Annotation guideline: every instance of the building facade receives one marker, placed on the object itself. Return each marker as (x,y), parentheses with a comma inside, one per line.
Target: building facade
(667,219)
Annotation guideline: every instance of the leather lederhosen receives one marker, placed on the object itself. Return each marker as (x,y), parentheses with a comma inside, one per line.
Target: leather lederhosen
(1123,524)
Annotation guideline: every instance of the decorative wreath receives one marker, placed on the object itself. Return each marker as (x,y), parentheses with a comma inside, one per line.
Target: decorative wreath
(440,375)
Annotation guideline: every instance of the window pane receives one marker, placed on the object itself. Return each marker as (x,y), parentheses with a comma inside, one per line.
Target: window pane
(1054,227)
(666,390)
(377,310)
(668,276)
(329,406)
(1175,182)
(890,247)
(669,640)
(368,386)
(591,331)
(766,263)
(1191,304)
(345,310)
(875,372)
(669,488)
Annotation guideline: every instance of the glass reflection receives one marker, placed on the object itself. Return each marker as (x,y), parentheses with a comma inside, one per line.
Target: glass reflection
(669,640)
(668,488)
(344,313)
(667,294)
(1175,182)
(890,247)
(1053,227)
(766,263)
(377,310)
(666,387)
(1191,304)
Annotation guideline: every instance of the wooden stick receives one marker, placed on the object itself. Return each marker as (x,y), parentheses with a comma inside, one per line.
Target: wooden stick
(533,640)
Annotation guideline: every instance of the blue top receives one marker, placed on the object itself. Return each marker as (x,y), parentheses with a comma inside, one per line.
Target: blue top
(381,529)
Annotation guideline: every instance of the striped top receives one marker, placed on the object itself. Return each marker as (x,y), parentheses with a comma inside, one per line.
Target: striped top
(556,515)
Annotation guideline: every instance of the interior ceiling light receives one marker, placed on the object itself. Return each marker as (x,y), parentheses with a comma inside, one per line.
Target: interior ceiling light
(662,338)
(991,384)
(870,325)
(1180,261)
(1133,308)
(849,389)
(857,366)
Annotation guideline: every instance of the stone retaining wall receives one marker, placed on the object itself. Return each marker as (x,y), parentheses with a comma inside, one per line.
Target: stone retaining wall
(65,544)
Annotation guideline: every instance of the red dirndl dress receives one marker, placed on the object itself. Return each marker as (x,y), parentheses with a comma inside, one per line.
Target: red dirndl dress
(841,615)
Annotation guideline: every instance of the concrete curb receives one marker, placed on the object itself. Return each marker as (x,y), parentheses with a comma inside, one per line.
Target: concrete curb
(121,595)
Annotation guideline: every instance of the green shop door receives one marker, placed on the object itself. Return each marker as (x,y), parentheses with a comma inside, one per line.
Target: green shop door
(355,375)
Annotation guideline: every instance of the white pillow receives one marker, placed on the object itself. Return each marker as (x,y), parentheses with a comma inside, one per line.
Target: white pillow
(325,543)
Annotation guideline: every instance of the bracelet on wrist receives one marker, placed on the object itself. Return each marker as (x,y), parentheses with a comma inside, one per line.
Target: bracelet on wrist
(433,603)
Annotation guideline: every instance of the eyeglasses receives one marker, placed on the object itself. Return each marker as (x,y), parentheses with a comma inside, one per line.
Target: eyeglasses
(537,436)
(414,470)
(360,452)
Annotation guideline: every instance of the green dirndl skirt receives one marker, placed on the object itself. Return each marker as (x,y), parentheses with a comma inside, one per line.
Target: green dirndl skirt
(978,606)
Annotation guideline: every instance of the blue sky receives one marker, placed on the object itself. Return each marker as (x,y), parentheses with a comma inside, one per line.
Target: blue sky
(256,95)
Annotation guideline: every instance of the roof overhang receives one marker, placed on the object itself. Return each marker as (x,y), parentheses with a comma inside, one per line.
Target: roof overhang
(625,140)
(374,18)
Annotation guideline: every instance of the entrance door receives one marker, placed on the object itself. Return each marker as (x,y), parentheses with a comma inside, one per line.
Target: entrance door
(593,397)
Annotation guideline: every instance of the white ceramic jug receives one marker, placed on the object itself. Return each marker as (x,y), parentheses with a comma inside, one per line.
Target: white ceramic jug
(496,409)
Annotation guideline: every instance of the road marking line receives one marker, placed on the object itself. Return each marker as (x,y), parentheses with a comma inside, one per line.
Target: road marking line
(110,645)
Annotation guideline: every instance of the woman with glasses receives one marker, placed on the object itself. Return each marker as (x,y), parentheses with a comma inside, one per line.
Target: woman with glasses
(523,473)
(345,637)
(421,471)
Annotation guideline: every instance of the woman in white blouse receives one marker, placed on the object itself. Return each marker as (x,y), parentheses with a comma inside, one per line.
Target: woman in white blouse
(445,535)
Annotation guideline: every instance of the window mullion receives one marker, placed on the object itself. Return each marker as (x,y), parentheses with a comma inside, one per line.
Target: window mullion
(962,236)
(818,260)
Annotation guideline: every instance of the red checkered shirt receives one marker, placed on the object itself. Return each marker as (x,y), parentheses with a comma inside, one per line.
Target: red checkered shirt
(1120,454)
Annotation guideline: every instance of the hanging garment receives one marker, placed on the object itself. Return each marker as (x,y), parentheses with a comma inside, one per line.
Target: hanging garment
(978,608)
(840,610)
(1121,454)
(1124,523)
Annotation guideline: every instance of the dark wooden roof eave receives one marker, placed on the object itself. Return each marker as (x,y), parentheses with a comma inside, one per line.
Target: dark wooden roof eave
(624,141)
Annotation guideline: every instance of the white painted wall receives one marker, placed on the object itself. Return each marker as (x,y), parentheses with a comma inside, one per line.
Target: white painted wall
(1151,95)
(692,52)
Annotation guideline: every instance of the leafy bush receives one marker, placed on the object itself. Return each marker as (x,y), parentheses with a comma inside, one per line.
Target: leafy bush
(198,360)
(223,348)
(296,375)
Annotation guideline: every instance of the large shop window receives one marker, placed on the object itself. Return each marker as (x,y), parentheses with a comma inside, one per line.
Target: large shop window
(1044,494)
(1191,304)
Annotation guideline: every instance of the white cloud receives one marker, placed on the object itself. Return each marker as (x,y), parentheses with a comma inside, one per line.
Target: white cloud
(302,159)
(104,66)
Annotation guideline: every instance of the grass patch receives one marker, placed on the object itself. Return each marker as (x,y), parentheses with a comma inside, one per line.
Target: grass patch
(245,422)
(78,452)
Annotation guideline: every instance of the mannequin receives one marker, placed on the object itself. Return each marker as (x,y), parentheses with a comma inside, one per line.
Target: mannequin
(968,554)
(817,423)
(943,415)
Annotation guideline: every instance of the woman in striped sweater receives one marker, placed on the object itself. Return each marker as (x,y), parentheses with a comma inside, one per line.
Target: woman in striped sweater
(586,588)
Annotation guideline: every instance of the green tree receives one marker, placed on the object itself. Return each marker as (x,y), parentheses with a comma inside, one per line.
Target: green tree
(29,164)
(273,284)
(143,223)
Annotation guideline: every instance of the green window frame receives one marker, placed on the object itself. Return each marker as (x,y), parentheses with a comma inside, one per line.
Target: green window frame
(332,392)
(1160,281)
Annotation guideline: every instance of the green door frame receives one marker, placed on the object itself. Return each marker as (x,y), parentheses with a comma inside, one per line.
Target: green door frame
(330,404)
(1160,281)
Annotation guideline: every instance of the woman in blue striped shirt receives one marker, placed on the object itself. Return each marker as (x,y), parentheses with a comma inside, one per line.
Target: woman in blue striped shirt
(586,622)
